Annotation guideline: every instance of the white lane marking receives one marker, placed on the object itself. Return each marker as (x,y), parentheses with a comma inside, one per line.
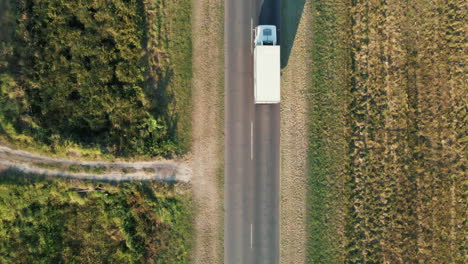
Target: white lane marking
(251,140)
(251,30)
(251,236)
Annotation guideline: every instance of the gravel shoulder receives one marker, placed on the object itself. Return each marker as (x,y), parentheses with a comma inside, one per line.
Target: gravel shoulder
(294,135)
(207,129)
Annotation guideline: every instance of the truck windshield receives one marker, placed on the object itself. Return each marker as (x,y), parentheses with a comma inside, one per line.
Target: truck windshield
(267,34)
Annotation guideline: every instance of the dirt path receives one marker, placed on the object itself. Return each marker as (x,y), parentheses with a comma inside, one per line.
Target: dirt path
(113,171)
(294,137)
(207,32)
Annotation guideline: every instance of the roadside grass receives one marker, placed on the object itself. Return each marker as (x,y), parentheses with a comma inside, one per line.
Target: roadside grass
(327,156)
(54,220)
(170,64)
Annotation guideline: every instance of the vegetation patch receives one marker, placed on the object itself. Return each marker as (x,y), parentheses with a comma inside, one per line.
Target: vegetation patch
(112,76)
(49,165)
(56,220)
(387,183)
(74,168)
(327,148)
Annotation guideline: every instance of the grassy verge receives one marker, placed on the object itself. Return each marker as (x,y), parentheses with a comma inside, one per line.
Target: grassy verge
(330,62)
(170,64)
(76,81)
(56,220)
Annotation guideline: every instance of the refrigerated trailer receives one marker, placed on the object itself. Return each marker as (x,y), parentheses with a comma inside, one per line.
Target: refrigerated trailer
(266,66)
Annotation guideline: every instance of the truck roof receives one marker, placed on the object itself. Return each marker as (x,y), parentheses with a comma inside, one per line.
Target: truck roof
(265,35)
(267,74)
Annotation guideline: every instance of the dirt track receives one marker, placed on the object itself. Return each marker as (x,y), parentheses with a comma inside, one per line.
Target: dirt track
(145,170)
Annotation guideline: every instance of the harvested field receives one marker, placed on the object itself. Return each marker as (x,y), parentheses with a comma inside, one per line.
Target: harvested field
(388,132)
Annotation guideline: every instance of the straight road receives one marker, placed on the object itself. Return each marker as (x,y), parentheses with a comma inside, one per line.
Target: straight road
(252,143)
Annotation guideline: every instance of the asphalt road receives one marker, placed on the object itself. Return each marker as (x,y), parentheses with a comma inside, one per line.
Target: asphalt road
(251,143)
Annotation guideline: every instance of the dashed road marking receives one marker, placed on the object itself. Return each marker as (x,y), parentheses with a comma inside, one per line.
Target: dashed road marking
(251,140)
(251,236)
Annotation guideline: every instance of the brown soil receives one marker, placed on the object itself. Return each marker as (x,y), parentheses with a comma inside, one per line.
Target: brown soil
(207,128)
(294,144)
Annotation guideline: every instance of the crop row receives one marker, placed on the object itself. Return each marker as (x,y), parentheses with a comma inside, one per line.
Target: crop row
(403,168)
(407,121)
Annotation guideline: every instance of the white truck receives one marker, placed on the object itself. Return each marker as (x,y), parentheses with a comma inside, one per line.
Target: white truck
(266,66)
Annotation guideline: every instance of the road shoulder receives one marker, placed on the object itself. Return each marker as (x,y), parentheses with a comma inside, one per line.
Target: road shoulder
(207,128)
(294,139)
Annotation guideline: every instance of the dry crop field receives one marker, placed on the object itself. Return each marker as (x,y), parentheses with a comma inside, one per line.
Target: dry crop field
(388,132)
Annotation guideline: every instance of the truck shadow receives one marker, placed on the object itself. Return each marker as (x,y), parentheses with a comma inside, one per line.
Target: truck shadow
(291,13)
(286,15)
(270,13)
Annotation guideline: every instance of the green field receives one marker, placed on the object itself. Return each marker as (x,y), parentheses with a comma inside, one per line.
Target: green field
(92,78)
(56,220)
(388,132)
